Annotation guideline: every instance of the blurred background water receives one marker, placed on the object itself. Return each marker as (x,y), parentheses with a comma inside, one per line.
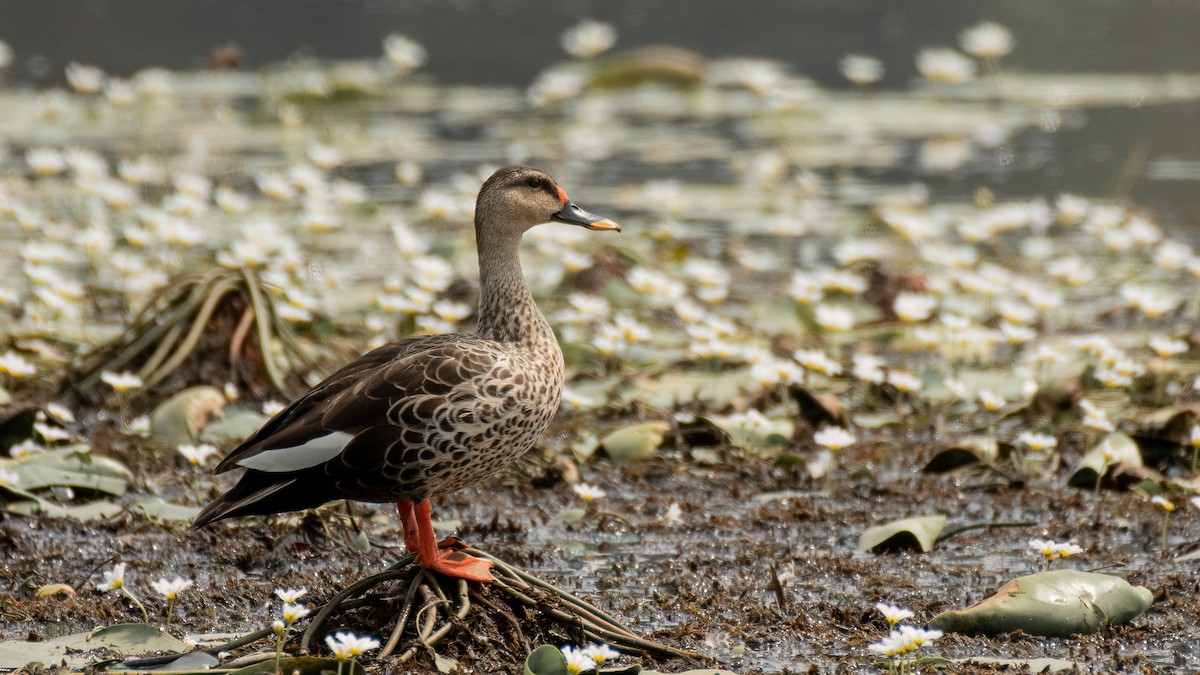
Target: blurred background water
(1149,154)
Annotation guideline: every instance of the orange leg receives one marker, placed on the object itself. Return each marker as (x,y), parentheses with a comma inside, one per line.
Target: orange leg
(408,525)
(452,563)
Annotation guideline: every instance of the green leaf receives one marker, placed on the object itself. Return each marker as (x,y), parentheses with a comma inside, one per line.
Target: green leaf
(73,467)
(568,517)
(96,510)
(774,434)
(232,429)
(900,534)
(635,443)
(19,653)
(1054,604)
(179,419)
(191,661)
(546,660)
(135,638)
(967,452)
(1115,449)
(156,509)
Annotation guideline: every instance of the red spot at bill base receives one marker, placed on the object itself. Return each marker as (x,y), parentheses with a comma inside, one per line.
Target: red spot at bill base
(562,196)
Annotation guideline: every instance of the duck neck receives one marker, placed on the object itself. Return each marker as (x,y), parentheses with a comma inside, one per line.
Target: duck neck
(507,312)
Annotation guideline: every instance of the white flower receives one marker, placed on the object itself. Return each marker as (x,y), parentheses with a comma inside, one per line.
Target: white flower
(588,38)
(905,382)
(113,578)
(25,448)
(1053,550)
(290,595)
(673,515)
(50,434)
(861,69)
(834,438)
(85,79)
(820,465)
(945,65)
(1038,442)
(197,454)
(600,653)
(1095,418)
(556,84)
(10,478)
(15,365)
(1166,504)
(817,360)
(139,426)
(990,401)
(915,637)
(833,318)
(577,661)
(573,400)
(893,613)
(270,408)
(45,161)
(588,492)
(171,588)
(775,371)
(868,368)
(1193,438)
(913,307)
(1017,334)
(891,646)
(1167,347)
(346,645)
(121,382)
(404,53)
(988,40)
(293,612)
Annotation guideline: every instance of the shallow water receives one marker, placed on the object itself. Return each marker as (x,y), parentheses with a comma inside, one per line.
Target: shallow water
(726,173)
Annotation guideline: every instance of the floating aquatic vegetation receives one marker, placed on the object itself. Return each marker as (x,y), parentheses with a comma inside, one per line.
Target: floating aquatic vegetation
(1055,603)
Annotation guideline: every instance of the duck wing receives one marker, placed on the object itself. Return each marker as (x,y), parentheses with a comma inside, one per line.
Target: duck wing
(360,431)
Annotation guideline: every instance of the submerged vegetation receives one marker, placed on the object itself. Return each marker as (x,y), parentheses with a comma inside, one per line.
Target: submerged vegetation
(790,349)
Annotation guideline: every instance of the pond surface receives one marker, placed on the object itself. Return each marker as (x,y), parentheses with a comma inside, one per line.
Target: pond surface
(755,187)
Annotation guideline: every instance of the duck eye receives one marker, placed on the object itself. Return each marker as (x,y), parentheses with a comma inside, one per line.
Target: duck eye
(534,182)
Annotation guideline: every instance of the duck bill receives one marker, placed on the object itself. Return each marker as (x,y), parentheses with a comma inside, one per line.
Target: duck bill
(576,216)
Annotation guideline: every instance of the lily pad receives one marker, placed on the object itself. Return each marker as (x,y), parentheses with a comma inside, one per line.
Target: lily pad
(73,467)
(568,517)
(1054,604)
(635,443)
(134,638)
(749,434)
(546,660)
(1117,454)
(95,510)
(232,429)
(967,452)
(157,509)
(179,419)
(909,533)
(20,653)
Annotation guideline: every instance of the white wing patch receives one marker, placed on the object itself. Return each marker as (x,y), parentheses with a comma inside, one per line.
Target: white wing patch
(316,451)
